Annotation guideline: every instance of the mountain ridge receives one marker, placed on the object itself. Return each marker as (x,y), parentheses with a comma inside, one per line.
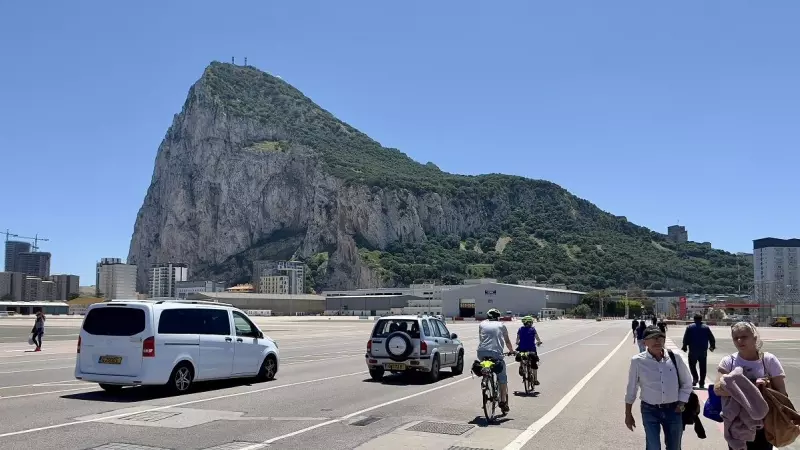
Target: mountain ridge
(255,169)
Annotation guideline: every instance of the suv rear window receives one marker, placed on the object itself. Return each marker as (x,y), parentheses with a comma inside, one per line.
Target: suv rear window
(387,326)
(114,321)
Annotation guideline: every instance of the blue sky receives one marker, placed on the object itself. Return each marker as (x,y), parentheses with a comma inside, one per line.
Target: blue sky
(658,111)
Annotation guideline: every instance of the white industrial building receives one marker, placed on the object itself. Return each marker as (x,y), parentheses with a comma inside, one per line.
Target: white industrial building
(475,300)
(472,299)
(418,298)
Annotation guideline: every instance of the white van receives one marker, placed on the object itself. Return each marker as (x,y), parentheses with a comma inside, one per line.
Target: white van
(172,343)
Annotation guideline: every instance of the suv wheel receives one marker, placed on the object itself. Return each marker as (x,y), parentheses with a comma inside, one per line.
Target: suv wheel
(376,374)
(433,375)
(458,369)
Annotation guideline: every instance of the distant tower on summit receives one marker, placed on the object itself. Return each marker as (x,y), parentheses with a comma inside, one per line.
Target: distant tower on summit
(677,234)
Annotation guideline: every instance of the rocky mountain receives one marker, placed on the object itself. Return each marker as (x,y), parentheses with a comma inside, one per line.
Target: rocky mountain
(253,169)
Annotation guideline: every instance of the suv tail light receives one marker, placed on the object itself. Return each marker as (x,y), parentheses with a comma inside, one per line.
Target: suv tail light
(149,347)
(369,346)
(423,348)
(79,344)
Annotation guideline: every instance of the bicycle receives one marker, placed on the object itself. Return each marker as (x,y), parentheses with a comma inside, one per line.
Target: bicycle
(526,361)
(489,390)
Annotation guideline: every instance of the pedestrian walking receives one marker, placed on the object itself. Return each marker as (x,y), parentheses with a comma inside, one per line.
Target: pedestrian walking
(665,389)
(699,339)
(634,326)
(759,367)
(38,330)
(640,335)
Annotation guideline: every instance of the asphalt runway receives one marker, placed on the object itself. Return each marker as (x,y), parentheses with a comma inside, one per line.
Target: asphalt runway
(323,397)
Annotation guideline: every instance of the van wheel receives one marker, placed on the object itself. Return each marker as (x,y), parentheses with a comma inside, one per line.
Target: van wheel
(181,379)
(458,369)
(433,375)
(376,374)
(269,368)
(110,387)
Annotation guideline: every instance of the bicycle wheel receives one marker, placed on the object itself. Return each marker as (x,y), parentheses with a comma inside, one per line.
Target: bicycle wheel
(489,398)
(527,379)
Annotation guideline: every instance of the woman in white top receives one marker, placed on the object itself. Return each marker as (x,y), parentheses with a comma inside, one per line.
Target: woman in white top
(753,362)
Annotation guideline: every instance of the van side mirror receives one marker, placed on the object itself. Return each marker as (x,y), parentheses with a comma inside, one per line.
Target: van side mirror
(453,336)
(260,335)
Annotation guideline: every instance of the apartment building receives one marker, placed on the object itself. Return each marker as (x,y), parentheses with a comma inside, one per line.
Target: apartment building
(115,280)
(66,286)
(34,264)
(776,271)
(14,248)
(12,286)
(274,284)
(33,289)
(164,278)
(293,271)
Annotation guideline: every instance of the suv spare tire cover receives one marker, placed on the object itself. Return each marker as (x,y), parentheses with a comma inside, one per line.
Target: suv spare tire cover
(399,346)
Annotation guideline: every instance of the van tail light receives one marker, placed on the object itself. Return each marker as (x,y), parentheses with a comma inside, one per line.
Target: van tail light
(79,344)
(149,347)
(369,346)
(423,348)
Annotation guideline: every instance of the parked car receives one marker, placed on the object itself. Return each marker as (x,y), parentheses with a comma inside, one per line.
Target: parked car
(172,343)
(413,343)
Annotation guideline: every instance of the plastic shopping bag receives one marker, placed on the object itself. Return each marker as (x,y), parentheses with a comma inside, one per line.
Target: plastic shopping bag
(30,340)
(713,407)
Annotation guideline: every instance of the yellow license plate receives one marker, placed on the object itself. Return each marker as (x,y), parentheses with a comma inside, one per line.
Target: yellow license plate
(396,366)
(110,360)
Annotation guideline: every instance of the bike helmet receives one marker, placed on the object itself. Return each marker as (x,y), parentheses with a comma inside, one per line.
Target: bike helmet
(493,313)
(527,319)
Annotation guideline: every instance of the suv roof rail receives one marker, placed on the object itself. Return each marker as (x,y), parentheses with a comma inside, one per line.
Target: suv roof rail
(175,300)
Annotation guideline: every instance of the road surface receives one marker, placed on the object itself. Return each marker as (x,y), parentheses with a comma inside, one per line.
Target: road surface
(323,397)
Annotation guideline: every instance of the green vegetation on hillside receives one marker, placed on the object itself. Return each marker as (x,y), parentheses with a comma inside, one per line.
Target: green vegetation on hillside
(589,260)
(554,236)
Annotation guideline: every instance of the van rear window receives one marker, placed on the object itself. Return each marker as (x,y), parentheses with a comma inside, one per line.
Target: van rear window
(114,321)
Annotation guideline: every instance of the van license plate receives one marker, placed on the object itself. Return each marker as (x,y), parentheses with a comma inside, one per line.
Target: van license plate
(110,360)
(396,366)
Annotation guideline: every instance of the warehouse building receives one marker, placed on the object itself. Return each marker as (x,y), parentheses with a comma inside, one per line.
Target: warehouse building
(474,300)
(278,304)
(369,305)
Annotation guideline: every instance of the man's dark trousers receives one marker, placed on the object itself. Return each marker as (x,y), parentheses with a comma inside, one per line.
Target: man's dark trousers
(696,357)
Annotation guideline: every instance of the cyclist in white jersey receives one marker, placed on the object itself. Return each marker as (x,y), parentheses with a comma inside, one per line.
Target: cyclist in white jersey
(492,334)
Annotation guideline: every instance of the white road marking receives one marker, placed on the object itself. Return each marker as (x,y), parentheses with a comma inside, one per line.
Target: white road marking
(47,392)
(23,339)
(32,355)
(266,443)
(39,384)
(35,360)
(535,427)
(176,405)
(37,370)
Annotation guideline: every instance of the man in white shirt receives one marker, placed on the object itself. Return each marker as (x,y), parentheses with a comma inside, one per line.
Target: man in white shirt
(662,397)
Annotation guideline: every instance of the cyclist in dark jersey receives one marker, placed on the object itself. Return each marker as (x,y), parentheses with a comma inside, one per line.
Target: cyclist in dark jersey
(527,339)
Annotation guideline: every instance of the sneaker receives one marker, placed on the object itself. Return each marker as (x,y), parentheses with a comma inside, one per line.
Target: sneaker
(702,386)
(504,407)
(38,350)
(535,382)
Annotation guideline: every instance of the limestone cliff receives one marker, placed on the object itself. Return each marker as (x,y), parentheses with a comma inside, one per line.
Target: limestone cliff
(252,169)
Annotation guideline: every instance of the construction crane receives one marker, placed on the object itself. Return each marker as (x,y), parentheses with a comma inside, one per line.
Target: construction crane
(35,239)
